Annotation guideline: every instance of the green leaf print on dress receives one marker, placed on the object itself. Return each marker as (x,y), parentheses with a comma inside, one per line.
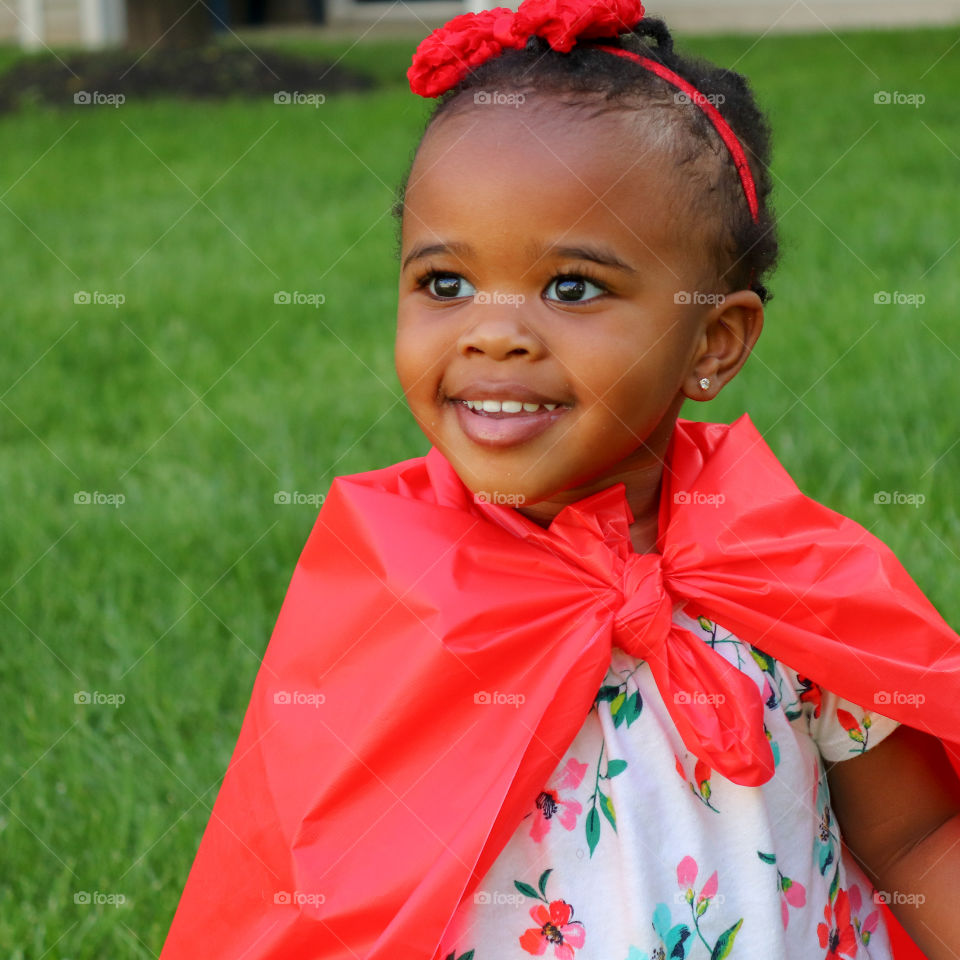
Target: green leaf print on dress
(601,800)
(625,707)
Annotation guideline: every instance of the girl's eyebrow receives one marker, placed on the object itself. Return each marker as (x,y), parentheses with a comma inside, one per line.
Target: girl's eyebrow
(596,254)
(429,249)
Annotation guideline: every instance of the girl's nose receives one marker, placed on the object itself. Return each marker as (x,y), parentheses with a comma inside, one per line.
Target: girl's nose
(499,332)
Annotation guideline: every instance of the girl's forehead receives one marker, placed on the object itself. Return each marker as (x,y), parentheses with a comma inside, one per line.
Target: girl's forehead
(570,135)
(524,174)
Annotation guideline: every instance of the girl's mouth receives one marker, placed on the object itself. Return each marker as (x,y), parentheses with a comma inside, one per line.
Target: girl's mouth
(504,423)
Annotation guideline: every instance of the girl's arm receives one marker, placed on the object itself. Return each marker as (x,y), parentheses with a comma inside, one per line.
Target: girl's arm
(898,807)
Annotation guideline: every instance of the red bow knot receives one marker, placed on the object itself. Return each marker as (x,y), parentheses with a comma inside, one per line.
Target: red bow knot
(643,622)
(445,57)
(717,709)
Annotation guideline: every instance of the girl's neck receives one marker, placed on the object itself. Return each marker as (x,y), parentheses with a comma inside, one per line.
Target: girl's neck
(641,473)
(643,498)
(643,535)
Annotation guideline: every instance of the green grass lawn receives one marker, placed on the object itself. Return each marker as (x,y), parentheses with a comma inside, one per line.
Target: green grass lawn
(199,398)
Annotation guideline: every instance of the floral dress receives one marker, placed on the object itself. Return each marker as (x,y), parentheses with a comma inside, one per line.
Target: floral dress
(637,850)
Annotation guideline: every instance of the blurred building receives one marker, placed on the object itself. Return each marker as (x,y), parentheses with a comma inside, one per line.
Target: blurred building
(97,23)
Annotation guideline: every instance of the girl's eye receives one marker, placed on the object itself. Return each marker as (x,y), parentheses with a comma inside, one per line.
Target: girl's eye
(574,288)
(448,286)
(570,288)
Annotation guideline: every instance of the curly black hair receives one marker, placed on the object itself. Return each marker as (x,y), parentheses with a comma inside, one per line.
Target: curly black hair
(709,192)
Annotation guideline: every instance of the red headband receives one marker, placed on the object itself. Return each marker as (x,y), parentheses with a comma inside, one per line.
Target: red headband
(445,57)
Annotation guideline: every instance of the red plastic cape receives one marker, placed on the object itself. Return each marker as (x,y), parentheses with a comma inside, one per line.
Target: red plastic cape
(418,655)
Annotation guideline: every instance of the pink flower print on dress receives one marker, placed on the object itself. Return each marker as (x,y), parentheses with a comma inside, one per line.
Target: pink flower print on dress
(556,928)
(810,693)
(837,933)
(554,919)
(687,872)
(869,925)
(674,937)
(701,774)
(791,892)
(551,804)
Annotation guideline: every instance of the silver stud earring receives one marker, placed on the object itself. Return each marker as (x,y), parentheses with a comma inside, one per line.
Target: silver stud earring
(704,383)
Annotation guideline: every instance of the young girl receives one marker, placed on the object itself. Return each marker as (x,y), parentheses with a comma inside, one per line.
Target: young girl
(587,681)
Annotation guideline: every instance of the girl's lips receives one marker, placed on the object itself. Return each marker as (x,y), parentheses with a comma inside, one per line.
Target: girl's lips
(504,429)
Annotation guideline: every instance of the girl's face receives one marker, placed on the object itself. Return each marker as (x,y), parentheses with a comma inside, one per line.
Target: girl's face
(544,272)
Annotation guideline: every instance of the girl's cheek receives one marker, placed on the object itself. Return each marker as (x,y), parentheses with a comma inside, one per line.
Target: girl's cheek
(417,366)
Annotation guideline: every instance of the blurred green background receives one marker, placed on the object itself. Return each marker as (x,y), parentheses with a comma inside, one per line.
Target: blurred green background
(199,399)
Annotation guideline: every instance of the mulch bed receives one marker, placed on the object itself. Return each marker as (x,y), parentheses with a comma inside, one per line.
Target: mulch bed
(202,73)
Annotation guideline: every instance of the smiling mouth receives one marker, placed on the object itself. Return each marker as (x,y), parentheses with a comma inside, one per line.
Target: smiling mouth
(505,423)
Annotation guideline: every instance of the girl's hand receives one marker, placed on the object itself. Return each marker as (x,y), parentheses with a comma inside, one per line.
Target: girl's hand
(898,807)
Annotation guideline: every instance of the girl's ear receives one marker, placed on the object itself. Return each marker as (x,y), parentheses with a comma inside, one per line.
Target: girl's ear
(729,331)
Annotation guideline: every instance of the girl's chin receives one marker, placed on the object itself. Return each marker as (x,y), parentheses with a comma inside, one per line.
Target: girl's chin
(537,501)
(493,486)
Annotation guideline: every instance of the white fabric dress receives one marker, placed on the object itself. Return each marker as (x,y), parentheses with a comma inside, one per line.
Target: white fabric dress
(637,850)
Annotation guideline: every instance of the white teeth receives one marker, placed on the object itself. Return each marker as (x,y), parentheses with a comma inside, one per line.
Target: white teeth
(507,406)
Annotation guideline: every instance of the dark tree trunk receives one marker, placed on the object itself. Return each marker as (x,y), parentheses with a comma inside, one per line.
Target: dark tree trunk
(167,23)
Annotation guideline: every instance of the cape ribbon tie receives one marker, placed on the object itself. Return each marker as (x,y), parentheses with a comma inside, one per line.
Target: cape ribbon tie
(646,612)
(717,709)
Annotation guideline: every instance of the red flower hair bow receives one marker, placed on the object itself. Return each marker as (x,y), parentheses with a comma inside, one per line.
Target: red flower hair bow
(445,57)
